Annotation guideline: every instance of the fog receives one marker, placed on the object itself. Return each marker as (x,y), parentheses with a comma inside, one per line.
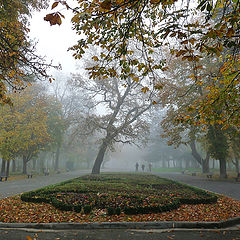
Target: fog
(111,124)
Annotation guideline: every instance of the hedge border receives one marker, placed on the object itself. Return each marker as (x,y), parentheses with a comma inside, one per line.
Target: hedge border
(176,203)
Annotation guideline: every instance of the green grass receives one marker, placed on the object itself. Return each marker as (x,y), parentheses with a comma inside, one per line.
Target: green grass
(176,169)
(128,193)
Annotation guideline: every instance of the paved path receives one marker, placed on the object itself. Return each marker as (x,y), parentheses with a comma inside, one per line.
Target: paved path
(231,189)
(119,234)
(10,188)
(15,187)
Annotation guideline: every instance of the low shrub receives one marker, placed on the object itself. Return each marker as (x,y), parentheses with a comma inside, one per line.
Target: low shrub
(110,211)
(77,208)
(87,209)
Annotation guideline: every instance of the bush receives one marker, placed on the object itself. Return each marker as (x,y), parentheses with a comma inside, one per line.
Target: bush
(61,205)
(87,209)
(110,211)
(77,208)
(118,211)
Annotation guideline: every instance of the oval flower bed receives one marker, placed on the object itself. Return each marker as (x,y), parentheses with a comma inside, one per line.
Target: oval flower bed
(128,193)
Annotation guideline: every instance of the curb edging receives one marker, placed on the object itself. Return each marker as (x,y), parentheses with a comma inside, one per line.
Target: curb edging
(125,225)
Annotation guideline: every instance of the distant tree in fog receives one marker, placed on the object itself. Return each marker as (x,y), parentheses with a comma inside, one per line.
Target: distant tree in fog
(123,109)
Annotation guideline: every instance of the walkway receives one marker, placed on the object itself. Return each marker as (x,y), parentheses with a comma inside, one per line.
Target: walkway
(10,188)
(230,189)
(118,234)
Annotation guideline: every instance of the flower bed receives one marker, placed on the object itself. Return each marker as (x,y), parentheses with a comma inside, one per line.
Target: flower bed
(127,193)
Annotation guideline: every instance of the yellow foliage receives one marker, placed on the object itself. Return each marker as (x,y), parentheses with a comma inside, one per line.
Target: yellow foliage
(23,125)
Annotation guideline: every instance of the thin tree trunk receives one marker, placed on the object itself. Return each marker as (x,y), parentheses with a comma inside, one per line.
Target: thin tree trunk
(41,161)
(56,166)
(213,163)
(236,164)
(187,163)
(34,164)
(181,163)
(223,168)
(24,165)
(3,169)
(174,163)
(8,167)
(99,159)
(13,165)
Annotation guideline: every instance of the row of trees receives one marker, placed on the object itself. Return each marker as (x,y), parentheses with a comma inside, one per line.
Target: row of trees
(193,150)
(26,126)
(189,53)
(148,52)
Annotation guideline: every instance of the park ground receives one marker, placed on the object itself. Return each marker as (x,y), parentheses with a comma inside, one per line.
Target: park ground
(230,189)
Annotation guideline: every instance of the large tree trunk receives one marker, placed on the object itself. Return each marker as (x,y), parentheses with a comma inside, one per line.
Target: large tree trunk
(24,165)
(223,168)
(8,167)
(203,162)
(99,159)
(3,169)
(195,154)
(56,166)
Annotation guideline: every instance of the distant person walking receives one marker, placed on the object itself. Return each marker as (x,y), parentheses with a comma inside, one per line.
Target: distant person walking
(150,167)
(143,167)
(137,165)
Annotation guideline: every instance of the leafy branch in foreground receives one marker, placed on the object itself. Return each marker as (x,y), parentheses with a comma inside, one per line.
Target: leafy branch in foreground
(19,62)
(190,31)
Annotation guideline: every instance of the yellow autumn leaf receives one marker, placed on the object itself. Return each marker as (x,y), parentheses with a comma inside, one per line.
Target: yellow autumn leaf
(155,1)
(136,79)
(54,5)
(95,58)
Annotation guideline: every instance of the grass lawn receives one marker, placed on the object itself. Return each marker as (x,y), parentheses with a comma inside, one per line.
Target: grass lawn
(164,170)
(118,197)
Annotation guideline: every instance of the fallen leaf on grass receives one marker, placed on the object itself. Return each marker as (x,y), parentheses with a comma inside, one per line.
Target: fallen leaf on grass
(16,211)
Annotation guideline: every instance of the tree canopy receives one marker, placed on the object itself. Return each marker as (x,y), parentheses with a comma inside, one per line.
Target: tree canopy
(24,130)
(191,30)
(19,63)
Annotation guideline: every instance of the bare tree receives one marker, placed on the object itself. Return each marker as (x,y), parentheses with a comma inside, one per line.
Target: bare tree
(74,112)
(122,111)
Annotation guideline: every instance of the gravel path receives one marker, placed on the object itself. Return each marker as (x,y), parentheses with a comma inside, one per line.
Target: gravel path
(230,189)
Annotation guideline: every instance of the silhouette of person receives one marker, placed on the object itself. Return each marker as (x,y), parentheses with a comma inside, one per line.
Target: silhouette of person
(137,165)
(150,167)
(143,167)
